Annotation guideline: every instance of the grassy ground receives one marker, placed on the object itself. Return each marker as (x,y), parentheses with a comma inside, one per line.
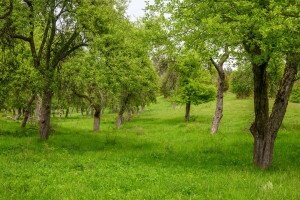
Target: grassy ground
(155,156)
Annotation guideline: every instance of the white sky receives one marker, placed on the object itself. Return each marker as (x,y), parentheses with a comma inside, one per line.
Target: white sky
(135,9)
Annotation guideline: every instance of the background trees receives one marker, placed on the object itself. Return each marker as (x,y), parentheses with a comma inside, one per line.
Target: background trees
(254,29)
(194,82)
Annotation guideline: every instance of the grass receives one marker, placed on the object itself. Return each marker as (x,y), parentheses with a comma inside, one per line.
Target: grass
(155,156)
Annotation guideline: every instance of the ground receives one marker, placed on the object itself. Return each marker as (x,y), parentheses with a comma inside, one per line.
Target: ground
(155,156)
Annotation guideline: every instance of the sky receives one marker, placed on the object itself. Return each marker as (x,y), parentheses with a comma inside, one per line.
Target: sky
(135,9)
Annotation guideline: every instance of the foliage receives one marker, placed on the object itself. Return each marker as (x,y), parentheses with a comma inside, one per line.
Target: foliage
(194,83)
(242,81)
(295,96)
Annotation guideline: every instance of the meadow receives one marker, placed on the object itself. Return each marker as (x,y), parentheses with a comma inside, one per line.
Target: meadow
(155,156)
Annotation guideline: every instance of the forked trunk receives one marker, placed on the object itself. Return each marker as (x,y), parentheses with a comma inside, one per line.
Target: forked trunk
(27,111)
(265,127)
(97,116)
(219,104)
(45,115)
(221,87)
(187,111)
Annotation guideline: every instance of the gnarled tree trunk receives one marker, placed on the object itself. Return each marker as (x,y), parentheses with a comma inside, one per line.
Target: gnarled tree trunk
(219,104)
(27,111)
(221,88)
(187,111)
(265,127)
(45,115)
(263,146)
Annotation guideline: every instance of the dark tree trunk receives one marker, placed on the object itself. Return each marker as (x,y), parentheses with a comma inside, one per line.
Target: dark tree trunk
(219,104)
(27,111)
(67,112)
(97,116)
(265,127)
(284,91)
(187,111)
(263,146)
(45,115)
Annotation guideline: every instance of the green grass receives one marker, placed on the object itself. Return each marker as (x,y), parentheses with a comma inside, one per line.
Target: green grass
(155,156)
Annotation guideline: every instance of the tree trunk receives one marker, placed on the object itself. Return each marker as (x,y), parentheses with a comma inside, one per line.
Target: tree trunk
(45,115)
(120,120)
(219,104)
(97,116)
(187,111)
(67,112)
(17,117)
(263,144)
(27,111)
(38,108)
(284,91)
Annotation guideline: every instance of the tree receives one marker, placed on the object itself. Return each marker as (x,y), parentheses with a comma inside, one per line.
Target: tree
(185,25)
(54,30)
(194,83)
(260,29)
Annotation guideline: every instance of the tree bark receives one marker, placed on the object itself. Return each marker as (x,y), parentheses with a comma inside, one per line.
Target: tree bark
(219,104)
(263,145)
(120,120)
(38,108)
(265,127)
(45,115)
(187,111)
(97,116)
(221,88)
(27,111)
